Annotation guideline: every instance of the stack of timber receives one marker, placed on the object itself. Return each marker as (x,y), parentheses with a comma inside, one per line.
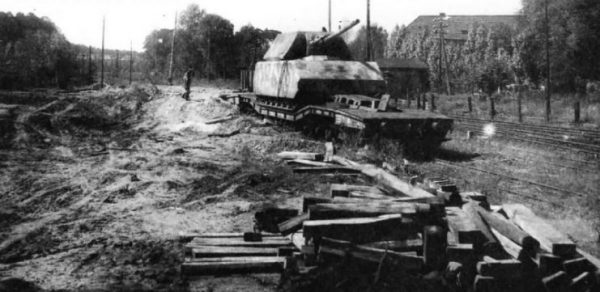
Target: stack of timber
(431,233)
(235,253)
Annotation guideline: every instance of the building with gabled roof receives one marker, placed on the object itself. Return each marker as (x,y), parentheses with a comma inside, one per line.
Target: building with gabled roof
(458,26)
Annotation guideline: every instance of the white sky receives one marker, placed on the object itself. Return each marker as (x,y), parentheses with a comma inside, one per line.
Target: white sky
(133,20)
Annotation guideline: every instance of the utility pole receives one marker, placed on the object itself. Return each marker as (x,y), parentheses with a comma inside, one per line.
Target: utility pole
(548,110)
(130,61)
(329,22)
(90,77)
(443,60)
(102,54)
(369,55)
(170,78)
(117,67)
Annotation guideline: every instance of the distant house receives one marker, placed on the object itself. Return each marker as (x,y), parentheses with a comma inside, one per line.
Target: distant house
(404,77)
(458,26)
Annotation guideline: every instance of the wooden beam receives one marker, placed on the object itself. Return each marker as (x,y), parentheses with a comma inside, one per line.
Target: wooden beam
(465,227)
(369,192)
(242,265)
(550,238)
(305,162)
(489,243)
(509,230)
(311,200)
(577,266)
(325,169)
(434,247)
(582,282)
(273,242)
(191,235)
(287,155)
(558,282)
(550,264)
(342,248)
(230,251)
(361,230)
(500,269)
(366,209)
(292,225)
(410,244)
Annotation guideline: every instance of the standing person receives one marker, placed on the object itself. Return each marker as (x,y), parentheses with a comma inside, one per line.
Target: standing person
(187,83)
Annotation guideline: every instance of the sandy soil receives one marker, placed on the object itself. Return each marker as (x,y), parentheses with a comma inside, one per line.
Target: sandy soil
(97,188)
(104,211)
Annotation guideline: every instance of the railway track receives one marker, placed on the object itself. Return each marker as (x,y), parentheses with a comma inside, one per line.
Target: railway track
(578,140)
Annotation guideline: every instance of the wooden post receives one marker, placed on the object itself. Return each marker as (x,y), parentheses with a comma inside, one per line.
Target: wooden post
(470,104)
(492,108)
(418,101)
(576,110)
(432,106)
(409,99)
(102,55)
(90,73)
(130,62)
(519,105)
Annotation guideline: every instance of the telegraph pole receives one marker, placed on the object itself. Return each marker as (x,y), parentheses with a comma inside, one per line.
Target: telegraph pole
(548,110)
(172,51)
(130,61)
(369,30)
(90,77)
(102,54)
(329,23)
(117,66)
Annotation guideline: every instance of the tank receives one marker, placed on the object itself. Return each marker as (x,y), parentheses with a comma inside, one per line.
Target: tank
(311,78)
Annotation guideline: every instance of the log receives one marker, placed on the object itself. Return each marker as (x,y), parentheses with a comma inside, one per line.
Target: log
(342,248)
(305,162)
(360,230)
(385,178)
(550,238)
(191,236)
(558,282)
(370,209)
(290,155)
(230,251)
(292,225)
(490,244)
(509,246)
(242,265)
(509,230)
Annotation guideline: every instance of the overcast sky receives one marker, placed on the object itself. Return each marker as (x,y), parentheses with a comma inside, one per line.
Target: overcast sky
(132,20)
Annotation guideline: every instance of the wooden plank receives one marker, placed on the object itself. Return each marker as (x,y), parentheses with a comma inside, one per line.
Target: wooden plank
(361,230)
(368,209)
(300,155)
(238,242)
(550,238)
(592,259)
(461,253)
(558,282)
(577,266)
(292,225)
(582,283)
(550,264)
(509,230)
(489,243)
(306,162)
(228,268)
(344,190)
(509,246)
(342,248)
(229,251)
(325,169)
(190,236)
(249,259)
(410,244)
(311,200)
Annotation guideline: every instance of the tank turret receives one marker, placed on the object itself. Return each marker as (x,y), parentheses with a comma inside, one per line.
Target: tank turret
(312,67)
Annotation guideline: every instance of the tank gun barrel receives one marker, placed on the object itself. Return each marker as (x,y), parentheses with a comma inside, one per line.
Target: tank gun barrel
(346,28)
(343,30)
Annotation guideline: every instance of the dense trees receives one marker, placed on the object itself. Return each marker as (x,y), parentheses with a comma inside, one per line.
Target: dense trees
(34,53)
(358,46)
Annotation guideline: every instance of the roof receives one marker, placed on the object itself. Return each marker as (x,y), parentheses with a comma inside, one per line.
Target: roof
(458,26)
(401,64)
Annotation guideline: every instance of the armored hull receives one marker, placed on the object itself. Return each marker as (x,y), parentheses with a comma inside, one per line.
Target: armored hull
(309,78)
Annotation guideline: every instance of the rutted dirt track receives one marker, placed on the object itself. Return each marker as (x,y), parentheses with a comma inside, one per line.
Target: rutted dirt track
(95,205)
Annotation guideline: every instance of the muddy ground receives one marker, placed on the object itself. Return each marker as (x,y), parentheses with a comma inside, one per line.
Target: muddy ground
(96,189)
